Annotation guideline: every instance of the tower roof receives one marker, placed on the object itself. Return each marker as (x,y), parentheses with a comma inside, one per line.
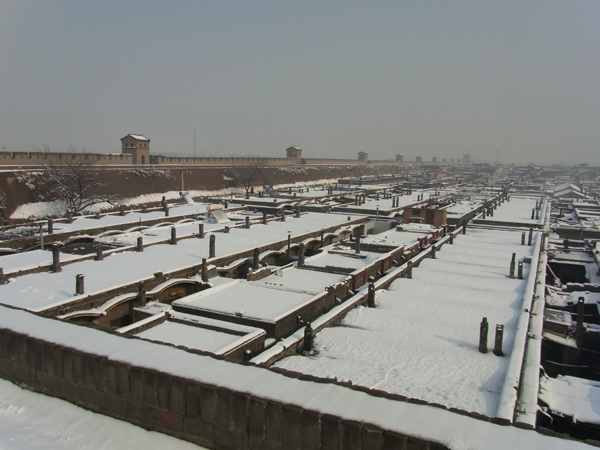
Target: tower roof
(138,137)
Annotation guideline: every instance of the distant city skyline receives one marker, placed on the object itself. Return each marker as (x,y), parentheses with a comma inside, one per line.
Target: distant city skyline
(511,81)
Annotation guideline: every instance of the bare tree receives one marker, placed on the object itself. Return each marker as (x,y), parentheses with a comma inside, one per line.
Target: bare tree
(3,199)
(258,170)
(75,182)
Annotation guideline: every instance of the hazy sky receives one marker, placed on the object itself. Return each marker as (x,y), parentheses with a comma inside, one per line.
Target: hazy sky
(428,78)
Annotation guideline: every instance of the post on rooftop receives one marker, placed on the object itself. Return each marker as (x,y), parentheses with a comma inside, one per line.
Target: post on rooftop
(371,296)
(511,272)
(204,270)
(79,284)
(301,251)
(99,253)
(255,259)
(483,335)
(498,340)
(56,258)
(142,293)
(211,246)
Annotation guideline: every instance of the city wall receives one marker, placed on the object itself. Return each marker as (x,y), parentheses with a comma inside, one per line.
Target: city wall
(216,161)
(333,162)
(46,158)
(51,158)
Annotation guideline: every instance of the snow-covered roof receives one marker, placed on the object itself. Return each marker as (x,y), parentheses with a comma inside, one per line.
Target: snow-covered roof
(139,137)
(568,190)
(421,340)
(456,431)
(42,290)
(573,397)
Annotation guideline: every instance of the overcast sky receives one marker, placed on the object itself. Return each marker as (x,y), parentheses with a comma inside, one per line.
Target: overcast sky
(519,79)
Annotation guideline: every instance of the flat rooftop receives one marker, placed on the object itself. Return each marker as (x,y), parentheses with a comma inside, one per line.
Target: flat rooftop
(40,291)
(422,339)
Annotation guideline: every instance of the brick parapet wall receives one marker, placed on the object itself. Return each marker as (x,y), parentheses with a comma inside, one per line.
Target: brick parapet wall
(330,161)
(202,413)
(46,158)
(227,161)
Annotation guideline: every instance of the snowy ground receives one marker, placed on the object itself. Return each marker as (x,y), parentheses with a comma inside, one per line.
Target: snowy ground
(422,339)
(31,421)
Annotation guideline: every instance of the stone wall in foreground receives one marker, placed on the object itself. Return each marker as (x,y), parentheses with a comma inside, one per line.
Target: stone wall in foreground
(207,415)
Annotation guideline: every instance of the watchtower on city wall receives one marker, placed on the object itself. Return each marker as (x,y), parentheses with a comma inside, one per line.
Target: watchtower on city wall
(295,154)
(138,146)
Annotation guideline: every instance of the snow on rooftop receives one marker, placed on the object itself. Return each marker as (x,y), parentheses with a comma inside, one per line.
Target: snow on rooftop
(194,337)
(396,238)
(462,207)
(31,259)
(295,279)
(554,298)
(342,256)
(573,397)
(269,299)
(456,431)
(43,290)
(37,422)
(518,210)
(422,339)
(139,137)
(387,203)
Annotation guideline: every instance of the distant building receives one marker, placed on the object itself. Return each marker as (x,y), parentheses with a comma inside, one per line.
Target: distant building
(569,190)
(138,147)
(419,159)
(435,217)
(467,158)
(294,153)
(399,158)
(363,156)
(434,159)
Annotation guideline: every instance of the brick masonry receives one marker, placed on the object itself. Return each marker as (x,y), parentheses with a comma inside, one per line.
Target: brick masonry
(207,415)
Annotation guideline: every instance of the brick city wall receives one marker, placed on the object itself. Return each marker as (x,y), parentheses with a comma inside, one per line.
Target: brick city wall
(45,158)
(207,415)
(228,161)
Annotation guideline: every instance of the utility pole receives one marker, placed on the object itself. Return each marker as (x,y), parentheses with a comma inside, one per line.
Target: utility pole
(195,152)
